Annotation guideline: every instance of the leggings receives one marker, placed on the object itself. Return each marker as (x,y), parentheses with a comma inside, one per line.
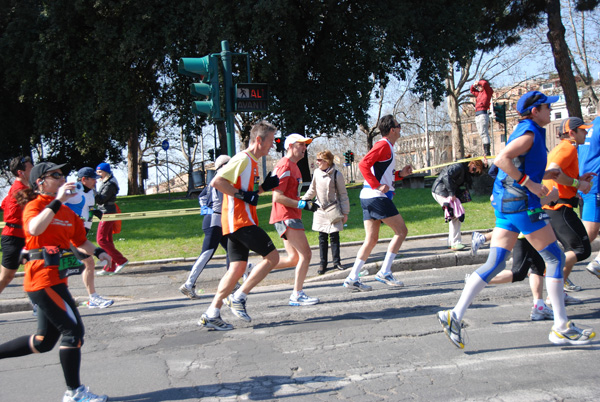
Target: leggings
(213,236)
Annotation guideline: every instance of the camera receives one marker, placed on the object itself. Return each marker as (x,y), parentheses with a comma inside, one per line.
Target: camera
(78,188)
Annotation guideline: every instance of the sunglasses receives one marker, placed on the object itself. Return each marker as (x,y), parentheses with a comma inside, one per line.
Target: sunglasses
(54,175)
(397,126)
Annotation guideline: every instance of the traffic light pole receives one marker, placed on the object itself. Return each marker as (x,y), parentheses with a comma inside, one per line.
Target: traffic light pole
(229,126)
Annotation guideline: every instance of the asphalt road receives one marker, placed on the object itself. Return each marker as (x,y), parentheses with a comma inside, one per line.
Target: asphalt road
(373,346)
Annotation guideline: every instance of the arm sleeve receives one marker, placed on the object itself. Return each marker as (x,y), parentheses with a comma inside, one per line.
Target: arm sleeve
(380,152)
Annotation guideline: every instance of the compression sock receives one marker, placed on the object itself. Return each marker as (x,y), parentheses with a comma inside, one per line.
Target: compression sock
(17,347)
(70,360)
(472,288)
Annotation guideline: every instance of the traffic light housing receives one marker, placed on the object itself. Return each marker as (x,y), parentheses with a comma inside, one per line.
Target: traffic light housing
(347,157)
(351,157)
(279,145)
(500,113)
(207,70)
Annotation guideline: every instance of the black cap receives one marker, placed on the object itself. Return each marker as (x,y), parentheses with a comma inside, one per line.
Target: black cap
(40,169)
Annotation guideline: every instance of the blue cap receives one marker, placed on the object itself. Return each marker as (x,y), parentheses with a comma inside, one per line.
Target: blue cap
(533,99)
(105,167)
(87,172)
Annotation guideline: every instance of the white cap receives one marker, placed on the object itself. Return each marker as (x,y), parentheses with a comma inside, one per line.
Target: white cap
(294,138)
(221,160)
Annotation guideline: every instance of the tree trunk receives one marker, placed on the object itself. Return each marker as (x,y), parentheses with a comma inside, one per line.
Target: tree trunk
(458,147)
(222,132)
(133,144)
(562,61)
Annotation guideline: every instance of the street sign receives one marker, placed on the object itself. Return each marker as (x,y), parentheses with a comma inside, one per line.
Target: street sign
(251,97)
(165,145)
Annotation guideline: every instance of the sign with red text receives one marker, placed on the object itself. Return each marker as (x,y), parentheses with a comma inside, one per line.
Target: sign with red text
(251,97)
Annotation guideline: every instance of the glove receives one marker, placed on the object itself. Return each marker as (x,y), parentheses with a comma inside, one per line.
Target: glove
(97,213)
(251,197)
(308,205)
(270,182)
(204,210)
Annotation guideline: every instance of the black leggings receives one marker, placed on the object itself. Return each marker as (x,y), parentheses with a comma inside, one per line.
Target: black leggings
(525,257)
(570,232)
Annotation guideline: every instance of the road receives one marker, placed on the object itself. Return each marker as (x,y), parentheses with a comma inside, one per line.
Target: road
(374,346)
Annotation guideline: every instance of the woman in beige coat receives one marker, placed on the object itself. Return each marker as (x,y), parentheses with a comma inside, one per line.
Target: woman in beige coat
(329,187)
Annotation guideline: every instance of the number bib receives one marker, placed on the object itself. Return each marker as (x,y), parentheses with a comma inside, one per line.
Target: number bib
(69,265)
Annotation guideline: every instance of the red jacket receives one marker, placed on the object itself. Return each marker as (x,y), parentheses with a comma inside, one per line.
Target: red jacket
(483,97)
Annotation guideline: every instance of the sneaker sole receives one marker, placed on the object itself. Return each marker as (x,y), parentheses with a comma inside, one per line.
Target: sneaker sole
(555,339)
(540,318)
(208,325)
(401,285)
(108,305)
(593,272)
(188,294)
(293,303)
(357,289)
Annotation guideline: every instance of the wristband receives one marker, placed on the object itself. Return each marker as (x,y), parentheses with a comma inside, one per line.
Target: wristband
(54,206)
(301,204)
(524,179)
(98,251)
(575,183)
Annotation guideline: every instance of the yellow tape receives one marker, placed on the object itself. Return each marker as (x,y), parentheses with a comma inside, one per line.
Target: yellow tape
(165,213)
(452,163)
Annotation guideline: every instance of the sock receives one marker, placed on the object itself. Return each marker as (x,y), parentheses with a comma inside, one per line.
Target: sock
(386,267)
(539,304)
(554,286)
(358,264)
(295,294)
(239,295)
(93,295)
(213,312)
(472,288)
(70,360)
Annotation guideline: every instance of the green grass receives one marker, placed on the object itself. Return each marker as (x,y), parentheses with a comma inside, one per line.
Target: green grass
(158,238)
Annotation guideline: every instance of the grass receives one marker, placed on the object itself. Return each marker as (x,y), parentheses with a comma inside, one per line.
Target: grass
(158,238)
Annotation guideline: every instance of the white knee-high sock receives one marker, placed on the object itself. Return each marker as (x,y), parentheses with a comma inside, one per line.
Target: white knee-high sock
(358,264)
(554,286)
(472,288)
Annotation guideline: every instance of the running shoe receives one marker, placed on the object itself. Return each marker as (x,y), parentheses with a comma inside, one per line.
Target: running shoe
(99,302)
(189,292)
(357,286)
(238,308)
(215,323)
(477,240)
(594,268)
(458,247)
(120,267)
(452,328)
(569,300)
(540,314)
(572,335)
(83,394)
(104,272)
(302,299)
(570,286)
(389,279)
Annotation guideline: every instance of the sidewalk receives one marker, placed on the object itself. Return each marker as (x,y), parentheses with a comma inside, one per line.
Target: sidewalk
(138,279)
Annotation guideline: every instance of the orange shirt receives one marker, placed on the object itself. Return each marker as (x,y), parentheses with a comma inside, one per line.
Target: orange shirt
(290,183)
(64,229)
(565,156)
(242,172)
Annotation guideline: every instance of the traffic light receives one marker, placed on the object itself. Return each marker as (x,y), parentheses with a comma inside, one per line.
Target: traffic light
(347,156)
(500,113)
(207,70)
(351,157)
(279,145)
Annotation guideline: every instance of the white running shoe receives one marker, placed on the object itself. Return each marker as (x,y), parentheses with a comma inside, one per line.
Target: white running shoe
(540,314)
(389,280)
(99,302)
(189,292)
(302,299)
(452,328)
(120,267)
(594,268)
(572,335)
(477,240)
(357,286)
(83,394)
